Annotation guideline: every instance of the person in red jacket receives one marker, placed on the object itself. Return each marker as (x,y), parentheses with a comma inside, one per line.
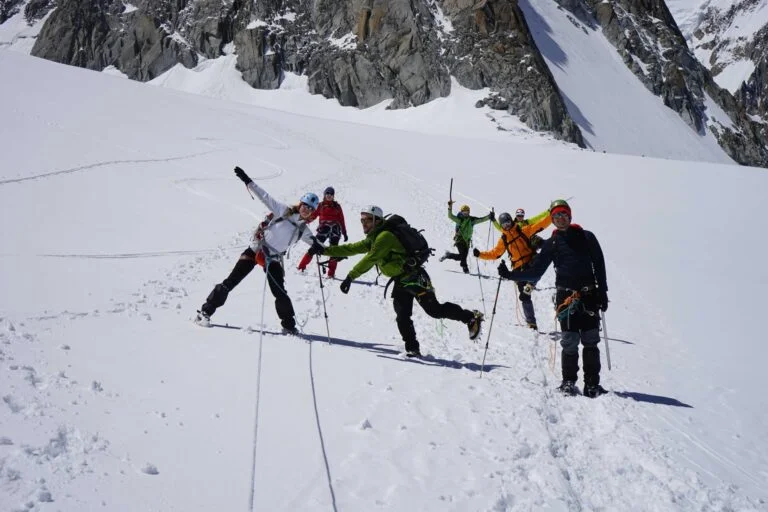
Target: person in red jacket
(331,227)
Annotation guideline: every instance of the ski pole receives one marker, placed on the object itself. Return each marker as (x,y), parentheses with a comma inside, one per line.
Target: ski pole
(605,338)
(322,294)
(490,327)
(480,280)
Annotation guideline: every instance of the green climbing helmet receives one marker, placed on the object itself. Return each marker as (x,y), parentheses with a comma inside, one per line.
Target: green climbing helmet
(559,203)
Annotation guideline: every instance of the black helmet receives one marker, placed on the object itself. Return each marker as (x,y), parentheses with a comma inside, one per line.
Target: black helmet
(329,190)
(504,218)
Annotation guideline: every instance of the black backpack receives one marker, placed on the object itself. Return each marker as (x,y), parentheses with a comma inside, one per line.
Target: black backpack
(417,249)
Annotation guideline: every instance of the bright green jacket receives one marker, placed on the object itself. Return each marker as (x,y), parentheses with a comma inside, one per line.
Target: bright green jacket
(380,247)
(465,225)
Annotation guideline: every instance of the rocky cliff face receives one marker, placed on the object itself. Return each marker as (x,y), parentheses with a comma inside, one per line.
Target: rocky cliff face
(729,40)
(647,37)
(360,52)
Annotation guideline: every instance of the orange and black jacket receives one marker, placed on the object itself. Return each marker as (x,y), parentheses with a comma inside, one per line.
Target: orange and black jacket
(516,241)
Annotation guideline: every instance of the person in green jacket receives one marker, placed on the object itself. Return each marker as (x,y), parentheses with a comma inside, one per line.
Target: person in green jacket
(462,238)
(382,248)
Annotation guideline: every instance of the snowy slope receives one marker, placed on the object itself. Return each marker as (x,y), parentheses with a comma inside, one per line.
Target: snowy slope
(119,211)
(615,112)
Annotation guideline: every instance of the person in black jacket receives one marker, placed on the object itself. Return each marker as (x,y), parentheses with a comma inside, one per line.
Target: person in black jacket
(582,291)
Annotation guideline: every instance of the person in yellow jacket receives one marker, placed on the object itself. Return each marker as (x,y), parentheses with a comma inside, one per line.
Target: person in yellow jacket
(518,239)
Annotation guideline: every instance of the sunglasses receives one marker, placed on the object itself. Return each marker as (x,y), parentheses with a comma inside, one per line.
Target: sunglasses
(560,215)
(305,205)
(366,220)
(329,194)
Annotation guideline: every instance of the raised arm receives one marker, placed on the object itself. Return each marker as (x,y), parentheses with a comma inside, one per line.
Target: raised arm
(450,212)
(270,202)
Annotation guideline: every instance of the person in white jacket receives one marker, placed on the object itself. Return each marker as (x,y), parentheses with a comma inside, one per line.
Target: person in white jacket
(284,226)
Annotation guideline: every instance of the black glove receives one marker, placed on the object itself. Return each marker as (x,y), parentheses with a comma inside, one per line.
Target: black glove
(345,284)
(492,216)
(476,252)
(241,174)
(603,301)
(503,270)
(317,248)
(346,238)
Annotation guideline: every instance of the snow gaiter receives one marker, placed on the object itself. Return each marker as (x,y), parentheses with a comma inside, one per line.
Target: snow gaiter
(570,366)
(591,360)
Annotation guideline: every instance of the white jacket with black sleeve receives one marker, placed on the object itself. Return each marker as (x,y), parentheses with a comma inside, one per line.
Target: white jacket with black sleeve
(285,229)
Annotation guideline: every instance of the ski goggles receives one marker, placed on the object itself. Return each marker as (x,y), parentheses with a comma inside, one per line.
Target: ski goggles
(560,215)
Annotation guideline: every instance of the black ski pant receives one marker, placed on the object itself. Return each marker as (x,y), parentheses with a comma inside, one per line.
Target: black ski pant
(582,325)
(463,248)
(418,286)
(275,279)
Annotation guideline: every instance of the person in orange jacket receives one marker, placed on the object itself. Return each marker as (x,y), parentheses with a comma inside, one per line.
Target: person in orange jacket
(518,239)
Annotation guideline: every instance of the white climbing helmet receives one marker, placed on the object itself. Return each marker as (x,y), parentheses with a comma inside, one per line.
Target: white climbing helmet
(373,210)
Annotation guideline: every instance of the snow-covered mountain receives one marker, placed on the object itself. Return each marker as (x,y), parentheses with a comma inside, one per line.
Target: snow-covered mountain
(731,39)
(119,211)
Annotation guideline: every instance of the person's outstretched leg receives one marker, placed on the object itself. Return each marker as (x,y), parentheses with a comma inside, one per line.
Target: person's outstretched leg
(218,295)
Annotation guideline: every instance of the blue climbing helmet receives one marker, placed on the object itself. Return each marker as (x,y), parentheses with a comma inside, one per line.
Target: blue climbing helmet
(310,199)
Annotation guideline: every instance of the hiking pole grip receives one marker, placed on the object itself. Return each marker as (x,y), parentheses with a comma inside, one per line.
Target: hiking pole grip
(450,192)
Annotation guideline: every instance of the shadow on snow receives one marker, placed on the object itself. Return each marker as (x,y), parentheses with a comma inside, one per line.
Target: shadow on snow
(381,350)
(652,399)
(445,363)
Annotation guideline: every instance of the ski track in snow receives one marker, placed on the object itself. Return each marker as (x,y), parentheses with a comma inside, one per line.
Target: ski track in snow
(102,164)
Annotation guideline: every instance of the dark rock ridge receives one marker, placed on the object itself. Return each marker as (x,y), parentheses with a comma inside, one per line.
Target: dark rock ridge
(361,52)
(648,39)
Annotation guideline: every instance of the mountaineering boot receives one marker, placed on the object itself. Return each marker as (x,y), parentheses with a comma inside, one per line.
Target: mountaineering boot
(444,256)
(290,331)
(465,269)
(568,387)
(533,326)
(412,349)
(202,319)
(474,325)
(594,390)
